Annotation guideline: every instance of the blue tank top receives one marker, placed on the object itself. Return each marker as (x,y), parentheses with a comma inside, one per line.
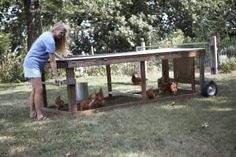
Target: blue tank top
(39,52)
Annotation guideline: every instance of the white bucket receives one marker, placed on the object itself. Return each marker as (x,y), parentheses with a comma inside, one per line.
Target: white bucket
(81,90)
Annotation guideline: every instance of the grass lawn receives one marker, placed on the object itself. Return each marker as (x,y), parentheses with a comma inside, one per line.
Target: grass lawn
(152,130)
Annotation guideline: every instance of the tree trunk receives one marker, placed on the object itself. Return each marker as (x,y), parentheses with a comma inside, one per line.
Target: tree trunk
(33,21)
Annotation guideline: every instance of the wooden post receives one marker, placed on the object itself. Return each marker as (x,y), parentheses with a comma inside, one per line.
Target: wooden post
(145,66)
(92,51)
(165,70)
(143,48)
(45,102)
(202,77)
(193,76)
(143,76)
(143,45)
(214,56)
(71,91)
(109,86)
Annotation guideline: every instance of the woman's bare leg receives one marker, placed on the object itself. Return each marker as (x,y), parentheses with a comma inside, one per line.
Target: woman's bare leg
(38,96)
(32,113)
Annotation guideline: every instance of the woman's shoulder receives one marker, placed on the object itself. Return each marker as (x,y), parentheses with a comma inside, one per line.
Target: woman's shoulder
(47,36)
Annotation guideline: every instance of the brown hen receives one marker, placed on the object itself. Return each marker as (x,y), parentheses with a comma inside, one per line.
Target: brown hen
(173,87)
(59,103)
(86,103)
(136,80)
(99,99)
(150,93)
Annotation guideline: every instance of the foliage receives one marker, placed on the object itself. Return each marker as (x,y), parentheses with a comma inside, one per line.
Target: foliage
(174,39)
(228,66)
(5,44)
(10,63)
(124,69)
(11,68)
(117,26)
(108,26)
(229,51)
(227,47)
(12,22)
(116,69)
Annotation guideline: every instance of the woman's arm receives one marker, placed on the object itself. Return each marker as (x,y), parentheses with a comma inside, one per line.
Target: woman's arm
(53,64)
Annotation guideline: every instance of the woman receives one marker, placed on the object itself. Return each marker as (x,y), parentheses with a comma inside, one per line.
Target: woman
(43,50)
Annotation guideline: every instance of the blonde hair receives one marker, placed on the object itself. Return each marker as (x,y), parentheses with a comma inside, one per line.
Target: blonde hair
(62,42)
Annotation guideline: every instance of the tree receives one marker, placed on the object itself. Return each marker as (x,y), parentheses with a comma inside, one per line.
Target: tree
(108,26)
(12,23)
(33,20)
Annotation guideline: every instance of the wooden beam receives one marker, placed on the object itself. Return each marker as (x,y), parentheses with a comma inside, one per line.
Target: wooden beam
(108,59)
(143,78)
(126,94)
(214,56)
(45,102)
(109,85)
(70,74)
(165,70)
(202,77)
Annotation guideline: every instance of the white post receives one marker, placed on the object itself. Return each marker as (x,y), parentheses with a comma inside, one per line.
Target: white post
(214,56)
(92,52)
(143,48)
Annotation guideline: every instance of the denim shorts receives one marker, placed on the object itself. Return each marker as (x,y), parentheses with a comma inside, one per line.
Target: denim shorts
(32,73)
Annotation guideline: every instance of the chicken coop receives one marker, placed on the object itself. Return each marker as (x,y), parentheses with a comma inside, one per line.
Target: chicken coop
(183,67)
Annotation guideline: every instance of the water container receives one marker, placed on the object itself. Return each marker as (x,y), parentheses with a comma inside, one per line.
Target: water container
(81,90)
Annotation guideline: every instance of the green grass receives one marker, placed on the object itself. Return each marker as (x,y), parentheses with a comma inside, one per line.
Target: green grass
(152,130)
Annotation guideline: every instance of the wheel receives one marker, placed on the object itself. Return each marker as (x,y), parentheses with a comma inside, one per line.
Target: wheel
(209,89)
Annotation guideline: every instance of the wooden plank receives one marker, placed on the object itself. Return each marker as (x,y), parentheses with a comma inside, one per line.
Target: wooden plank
(202,76)
(193,76)
(125,105)
(70,74)
(214,55)
(55,111)
(126,94)
(143,78)
(60,64)
(160,52)
(135,57)
(165,70)
(136,103)
(45,102)
(184,71)
(109,85)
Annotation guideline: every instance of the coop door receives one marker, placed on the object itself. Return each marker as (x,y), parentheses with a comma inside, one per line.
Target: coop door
(184,71)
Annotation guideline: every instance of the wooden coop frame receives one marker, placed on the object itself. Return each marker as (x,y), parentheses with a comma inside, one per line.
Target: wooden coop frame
(180,56)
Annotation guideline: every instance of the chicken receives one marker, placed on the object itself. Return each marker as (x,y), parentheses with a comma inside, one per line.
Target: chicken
(99,98)
(172,104)
(173,87)
(162,85)
(150,93)
(59,103)
(167,86)
(86,103)
(135,79)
